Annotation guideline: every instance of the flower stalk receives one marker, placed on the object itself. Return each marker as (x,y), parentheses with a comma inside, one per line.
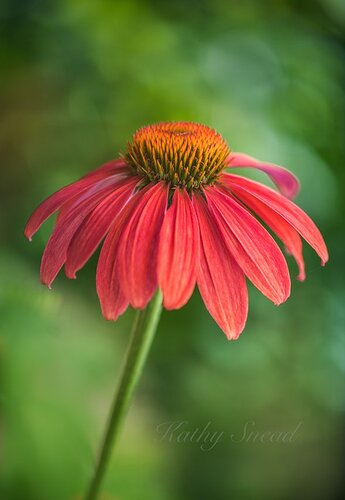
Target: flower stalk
(143,332)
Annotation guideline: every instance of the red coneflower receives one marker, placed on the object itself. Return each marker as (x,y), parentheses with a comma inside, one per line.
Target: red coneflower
(172,219)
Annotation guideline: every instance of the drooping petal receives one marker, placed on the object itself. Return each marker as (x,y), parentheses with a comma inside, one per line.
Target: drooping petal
(138,248)
(220,279)
(91,232)
(178,254)
(113,301)
(112,167)
(282,206)
(109,289)
(286,181)
(285,232)
(57,199)
(55,253)
(251,245)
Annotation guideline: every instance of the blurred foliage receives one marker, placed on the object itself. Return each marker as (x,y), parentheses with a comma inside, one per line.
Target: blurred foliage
(77,79)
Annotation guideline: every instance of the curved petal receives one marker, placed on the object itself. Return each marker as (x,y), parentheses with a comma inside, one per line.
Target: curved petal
(91,232)
(286,181)
(178,253)
(220,280)
(63,195)
(112,167)
(285,232)
(251,245)
(54,255)
(138,248)
(298,219)
(112,299)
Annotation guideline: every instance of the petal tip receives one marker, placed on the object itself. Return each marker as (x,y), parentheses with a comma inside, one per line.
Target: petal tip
(108,317)
(27,233)
(301,277)
(282,299)
(172,305)
(70,273)
(46,283)
(232,334)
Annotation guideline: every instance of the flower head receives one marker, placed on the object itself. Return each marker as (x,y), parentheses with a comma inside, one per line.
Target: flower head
(185,155)
(173,218)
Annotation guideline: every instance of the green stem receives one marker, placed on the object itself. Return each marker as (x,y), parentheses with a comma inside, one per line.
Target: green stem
(144,328)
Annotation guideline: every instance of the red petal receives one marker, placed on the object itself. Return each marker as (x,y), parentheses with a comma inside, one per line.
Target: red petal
(251,245)
(91,232)
(110,168)
(286,181)
(54,255)
(283,207)
(287,234)
(138,250)
(56,200)
(112,300)
(178,254)
(220,280)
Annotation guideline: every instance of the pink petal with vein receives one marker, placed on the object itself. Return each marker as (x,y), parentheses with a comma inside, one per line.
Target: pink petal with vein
(138,250)
(292,214)
(220,279)
(112,299)
(178,254)
(56,200)
(55,253)
(286,181)
(110,168)
(91,232)
(251,245)
(285,232)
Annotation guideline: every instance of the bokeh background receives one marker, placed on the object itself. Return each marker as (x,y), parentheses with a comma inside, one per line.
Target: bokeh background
(77,79)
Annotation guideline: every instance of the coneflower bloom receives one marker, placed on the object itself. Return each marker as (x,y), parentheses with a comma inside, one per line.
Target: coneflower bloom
(172,217)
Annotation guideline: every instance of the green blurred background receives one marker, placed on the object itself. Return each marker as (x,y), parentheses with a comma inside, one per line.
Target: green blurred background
(77,79)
